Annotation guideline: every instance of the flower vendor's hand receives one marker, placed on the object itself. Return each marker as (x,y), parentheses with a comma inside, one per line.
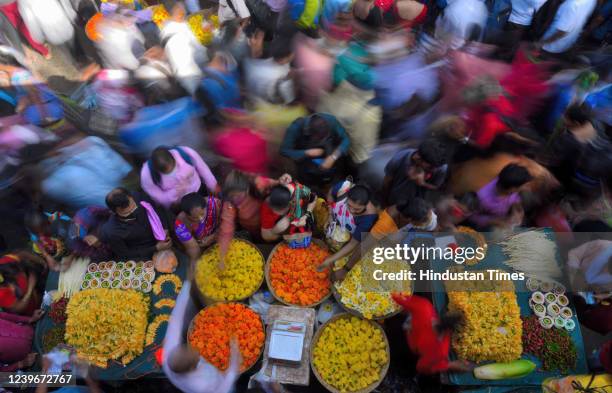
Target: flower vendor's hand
(31,281)
(37,315)
(165,245)
(339,275)
(326,264)
(285,179)
(302,221)
(314,153)
(221,265)
(282,225)
(90,240)
(28,361)
(46,364)
(328,163)
(235,355)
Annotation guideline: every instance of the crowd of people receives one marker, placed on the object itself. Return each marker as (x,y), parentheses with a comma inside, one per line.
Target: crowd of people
(345,120)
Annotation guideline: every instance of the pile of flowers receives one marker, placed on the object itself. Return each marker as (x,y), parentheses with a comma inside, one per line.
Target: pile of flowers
(213,327)
(106,324)
(372,298)
(57,313)
(491,328)
(241,276)
(202,28)
(350,354)
(293,275)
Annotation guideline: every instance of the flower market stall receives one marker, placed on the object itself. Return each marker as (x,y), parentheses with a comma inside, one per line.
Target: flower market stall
(529,325)
(114,314)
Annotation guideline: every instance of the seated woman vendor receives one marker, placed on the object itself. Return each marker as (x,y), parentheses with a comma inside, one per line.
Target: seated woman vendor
(59,238)
(365,214)
(196,226)
(286,211)
(243,195)
(22,282)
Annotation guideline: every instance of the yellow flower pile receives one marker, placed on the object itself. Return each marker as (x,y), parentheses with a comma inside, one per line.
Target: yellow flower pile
(350,354)
(203,29)
(160,14)
(371,298)
(242,274)
(492,327)
(105,324)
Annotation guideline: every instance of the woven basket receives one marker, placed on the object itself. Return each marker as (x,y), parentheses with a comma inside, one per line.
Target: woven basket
(190,329)
(207,300)
(319,243)
(327,386)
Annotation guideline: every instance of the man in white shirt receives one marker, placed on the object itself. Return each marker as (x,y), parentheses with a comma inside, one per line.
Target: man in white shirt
(232,9)
(183,50)
(460,19)
(270,79)
(570,19)
(183,366)
(524,10)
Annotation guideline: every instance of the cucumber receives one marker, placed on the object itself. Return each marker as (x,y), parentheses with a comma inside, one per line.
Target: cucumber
(496,371)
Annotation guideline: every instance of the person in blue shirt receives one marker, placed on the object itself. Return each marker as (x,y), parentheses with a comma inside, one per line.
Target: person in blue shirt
(219,89)
(317,143)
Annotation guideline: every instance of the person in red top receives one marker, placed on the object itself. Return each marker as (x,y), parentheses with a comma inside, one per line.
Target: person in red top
(286,210)
(243,195)
(21,276)
(429,336)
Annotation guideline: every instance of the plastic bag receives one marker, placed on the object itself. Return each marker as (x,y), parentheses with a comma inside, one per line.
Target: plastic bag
(260,303)
(165,261)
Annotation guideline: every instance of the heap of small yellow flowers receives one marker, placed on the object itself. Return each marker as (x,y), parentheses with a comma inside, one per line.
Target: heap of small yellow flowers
(360,292)
(105,324)
(492,326)
(203,29)
(241,276)
(350,353)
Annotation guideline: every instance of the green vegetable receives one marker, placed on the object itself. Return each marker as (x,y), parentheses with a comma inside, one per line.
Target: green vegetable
(496,371)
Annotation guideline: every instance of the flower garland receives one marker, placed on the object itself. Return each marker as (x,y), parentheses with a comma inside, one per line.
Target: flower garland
(154,327)
(161,280)
(161,303)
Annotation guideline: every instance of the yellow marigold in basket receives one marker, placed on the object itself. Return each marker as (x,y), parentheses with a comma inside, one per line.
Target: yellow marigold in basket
(242,274)
(107,324)
(350,354)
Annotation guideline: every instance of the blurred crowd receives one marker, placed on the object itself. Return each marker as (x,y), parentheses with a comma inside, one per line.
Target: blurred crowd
(190,121)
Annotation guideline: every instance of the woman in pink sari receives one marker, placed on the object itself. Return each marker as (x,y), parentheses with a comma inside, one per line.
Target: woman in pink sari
(16,335)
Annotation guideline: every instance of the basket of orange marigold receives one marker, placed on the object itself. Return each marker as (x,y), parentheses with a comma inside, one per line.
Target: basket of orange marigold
(292,277)
(212,328)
